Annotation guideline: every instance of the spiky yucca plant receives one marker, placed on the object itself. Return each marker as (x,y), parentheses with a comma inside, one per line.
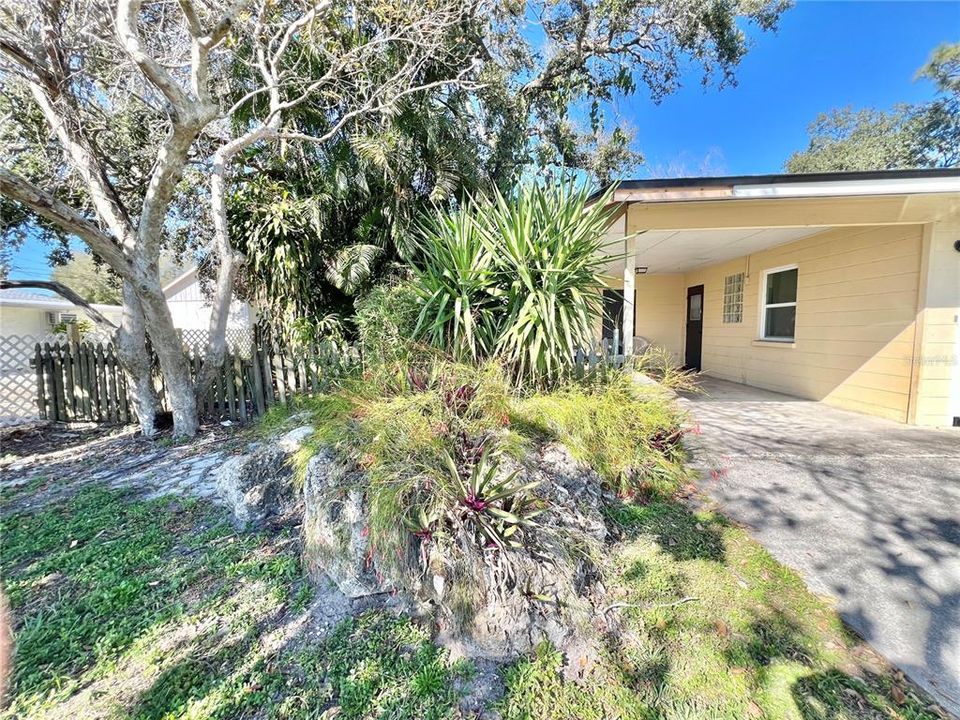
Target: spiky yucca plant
(518,278)
(454,283)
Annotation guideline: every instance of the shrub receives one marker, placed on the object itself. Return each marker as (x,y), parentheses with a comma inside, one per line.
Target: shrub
(658,363)
(629,435)
(514,278)
(404,434)
(439,452)
(386,318)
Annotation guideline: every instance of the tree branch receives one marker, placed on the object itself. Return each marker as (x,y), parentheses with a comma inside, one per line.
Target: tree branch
(65,217)
(128,21)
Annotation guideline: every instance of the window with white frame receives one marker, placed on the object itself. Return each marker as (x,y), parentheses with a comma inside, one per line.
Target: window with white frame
(778,314)
(733,298)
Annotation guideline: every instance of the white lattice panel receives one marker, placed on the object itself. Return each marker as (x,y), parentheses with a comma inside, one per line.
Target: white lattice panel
(238,339)
(18,379)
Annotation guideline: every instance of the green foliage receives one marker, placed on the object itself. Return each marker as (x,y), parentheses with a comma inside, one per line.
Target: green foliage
(83,327)
(659,363)
(321,223)
(630,436)
(386,667)
(907,136)
(535,689)
(517,279)
(158,610)
(93,581)
(941,118)
(91,280)
(869,139)
(500,510)
(437,447)
(454,280)
(386,319)
(402,434)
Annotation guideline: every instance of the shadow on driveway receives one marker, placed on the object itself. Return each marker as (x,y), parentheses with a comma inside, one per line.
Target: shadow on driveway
(867,510)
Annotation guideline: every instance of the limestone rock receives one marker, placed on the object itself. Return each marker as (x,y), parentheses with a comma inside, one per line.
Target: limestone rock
(552,594)
(258,485)
(335,529)
(555,595)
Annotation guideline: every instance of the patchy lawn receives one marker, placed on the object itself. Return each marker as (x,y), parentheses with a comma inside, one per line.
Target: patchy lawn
(158,609)
(126,607)
(716,629)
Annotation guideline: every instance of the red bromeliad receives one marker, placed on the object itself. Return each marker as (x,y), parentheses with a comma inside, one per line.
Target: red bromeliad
(475,503)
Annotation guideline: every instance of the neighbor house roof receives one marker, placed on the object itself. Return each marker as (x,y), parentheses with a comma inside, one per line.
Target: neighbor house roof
(17,297)
(832,184)
(184,279)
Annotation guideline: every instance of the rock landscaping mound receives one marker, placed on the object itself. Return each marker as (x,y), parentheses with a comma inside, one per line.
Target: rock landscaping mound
(487,601)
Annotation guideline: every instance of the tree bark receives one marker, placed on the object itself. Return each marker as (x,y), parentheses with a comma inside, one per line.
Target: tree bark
(131,341)
(169,350)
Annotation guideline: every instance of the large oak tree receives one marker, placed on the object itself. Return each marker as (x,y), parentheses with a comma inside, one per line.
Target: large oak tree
(207,80)
(920,135)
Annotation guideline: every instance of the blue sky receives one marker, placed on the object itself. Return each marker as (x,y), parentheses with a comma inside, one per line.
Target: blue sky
(826,54)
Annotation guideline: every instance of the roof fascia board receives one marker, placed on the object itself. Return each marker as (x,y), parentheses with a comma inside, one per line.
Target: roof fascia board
(845,188)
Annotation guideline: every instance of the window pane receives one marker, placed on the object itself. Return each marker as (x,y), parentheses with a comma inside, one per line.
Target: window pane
(782,287)
(780,322)
(696,307)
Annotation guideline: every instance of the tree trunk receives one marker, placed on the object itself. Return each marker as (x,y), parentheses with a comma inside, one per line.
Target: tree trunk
(169,349)
(131,341)
(230,261)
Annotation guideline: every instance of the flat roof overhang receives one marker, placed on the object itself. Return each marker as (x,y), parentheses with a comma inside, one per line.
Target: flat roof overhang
(681,224)
(839,184)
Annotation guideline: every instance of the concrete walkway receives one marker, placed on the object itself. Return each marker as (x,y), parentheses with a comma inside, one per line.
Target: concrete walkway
(867,510)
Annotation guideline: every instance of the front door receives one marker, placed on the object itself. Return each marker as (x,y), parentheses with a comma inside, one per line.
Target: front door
(694,327)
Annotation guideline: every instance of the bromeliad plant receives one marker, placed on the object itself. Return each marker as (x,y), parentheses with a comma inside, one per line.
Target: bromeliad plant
(497,508)
(517,278)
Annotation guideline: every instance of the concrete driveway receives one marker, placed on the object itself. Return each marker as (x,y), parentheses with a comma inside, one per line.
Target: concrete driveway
(867,510)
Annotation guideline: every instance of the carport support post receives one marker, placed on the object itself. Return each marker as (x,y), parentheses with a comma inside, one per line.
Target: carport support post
(629,286)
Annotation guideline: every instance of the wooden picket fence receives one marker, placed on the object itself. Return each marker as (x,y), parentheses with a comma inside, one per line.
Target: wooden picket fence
(83,382)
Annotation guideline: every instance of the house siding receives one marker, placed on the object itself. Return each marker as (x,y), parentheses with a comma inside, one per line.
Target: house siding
(32,322)
(856,319)
(937,377)
(658,313)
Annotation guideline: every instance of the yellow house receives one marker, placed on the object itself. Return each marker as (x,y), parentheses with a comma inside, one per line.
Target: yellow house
(839,287)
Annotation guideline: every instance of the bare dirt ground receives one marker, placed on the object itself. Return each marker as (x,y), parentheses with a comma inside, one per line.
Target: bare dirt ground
(54,462)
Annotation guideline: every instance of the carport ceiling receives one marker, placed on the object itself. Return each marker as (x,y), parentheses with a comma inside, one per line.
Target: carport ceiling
(674,251)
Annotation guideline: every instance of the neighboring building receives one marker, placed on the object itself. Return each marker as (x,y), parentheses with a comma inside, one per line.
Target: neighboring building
(191,310)
(27,318)
(840,287)
(26,313)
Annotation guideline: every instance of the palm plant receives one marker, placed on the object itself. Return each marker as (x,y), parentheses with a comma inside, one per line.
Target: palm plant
(518,278)
(546,244)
